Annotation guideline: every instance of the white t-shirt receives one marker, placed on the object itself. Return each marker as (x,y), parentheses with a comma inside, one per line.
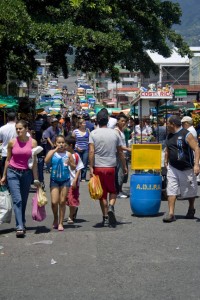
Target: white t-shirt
(122,136)
(193,131)
(146,130)
(79,166)
(7,133)
(112,123)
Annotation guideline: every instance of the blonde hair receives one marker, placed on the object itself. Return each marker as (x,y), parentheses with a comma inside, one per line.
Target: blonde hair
(80,121)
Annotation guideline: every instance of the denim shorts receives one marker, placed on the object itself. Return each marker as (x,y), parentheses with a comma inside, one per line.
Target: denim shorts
(55,183)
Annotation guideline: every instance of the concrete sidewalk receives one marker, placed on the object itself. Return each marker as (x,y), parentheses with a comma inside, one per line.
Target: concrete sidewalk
(142,258)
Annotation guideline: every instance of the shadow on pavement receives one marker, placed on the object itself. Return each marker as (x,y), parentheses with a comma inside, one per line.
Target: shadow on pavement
(160,214)
(181,217)
(38,229)
(80,220)
(72,226)
(5,231)
(99,225)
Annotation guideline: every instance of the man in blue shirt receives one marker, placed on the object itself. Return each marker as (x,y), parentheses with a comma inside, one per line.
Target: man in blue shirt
(89,124)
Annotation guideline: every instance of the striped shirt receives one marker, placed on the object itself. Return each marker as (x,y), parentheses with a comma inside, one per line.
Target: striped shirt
(82,140)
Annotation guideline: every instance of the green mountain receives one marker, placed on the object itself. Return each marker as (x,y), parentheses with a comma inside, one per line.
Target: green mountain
(190,25)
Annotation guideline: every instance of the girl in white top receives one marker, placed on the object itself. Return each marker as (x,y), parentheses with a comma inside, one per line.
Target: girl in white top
(75,177)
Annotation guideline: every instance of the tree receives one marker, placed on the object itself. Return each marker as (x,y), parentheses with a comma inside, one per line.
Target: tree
(101,33)
(16,48)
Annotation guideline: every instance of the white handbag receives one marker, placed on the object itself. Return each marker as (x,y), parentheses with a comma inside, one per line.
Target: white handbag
(5,205)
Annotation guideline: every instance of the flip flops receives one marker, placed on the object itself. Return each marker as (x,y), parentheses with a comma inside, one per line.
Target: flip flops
(70,221)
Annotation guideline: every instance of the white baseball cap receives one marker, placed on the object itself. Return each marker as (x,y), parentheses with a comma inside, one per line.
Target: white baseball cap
(186,119)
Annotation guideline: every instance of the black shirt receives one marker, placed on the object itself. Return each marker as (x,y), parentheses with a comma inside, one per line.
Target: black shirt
(180,154)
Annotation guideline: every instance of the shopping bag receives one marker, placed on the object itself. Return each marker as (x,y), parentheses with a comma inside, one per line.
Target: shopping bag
(5,205)
(42,197)
(38,213)
(95,188)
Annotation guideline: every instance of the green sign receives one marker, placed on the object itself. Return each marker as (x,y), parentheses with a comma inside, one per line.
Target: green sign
(180,93)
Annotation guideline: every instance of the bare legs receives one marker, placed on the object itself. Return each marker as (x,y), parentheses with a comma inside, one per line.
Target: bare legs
(58,199)
(104,204)
(171,204)
(72,210)
(172,200)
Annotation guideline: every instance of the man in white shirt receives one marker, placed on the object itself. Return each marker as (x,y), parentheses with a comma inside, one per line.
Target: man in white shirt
(142,132)
(121,123)
(7,133)
(111,122)
(187,123)
(143,128)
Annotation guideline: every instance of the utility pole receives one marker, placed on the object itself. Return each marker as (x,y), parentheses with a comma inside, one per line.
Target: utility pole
(7,83)
(117,95)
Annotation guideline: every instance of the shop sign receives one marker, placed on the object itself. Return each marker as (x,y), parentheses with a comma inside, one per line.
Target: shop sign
(180,93)
(156,95)
(39,70)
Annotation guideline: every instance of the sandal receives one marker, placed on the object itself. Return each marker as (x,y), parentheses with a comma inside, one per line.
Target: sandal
(70,221)
(20,233)
(169,218)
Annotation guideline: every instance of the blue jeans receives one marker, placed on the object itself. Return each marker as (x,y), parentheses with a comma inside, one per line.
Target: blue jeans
(84,157)
(19,184)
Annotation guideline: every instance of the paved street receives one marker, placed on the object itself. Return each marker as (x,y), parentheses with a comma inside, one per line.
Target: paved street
(142,258)
(70,82)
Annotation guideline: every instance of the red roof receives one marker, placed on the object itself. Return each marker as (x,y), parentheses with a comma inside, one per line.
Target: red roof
(189,88)
(128,89)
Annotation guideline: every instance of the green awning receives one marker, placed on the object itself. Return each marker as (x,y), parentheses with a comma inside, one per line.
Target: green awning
(168,107)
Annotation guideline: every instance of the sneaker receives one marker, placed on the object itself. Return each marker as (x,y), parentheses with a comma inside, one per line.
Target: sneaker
(105,222)
(111,215)
(121,195)
(190,214)
(169,218)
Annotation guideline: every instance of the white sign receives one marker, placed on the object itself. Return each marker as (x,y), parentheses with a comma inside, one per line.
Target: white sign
(156,95)
(180,102)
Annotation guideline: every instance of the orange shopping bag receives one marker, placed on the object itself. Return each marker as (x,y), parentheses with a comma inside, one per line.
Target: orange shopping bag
(95,188)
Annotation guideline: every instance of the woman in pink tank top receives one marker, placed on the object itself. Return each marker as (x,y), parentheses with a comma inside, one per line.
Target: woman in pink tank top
(18,175)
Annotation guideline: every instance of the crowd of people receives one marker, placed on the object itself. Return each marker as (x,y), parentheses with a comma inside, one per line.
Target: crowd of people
(73,143)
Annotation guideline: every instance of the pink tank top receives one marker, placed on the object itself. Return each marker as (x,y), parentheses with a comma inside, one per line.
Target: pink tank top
(21,152)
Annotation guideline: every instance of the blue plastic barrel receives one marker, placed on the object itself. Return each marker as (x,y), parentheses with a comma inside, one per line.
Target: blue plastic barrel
(145,194)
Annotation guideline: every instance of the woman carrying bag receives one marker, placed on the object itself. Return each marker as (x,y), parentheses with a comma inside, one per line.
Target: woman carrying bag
(18,174)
